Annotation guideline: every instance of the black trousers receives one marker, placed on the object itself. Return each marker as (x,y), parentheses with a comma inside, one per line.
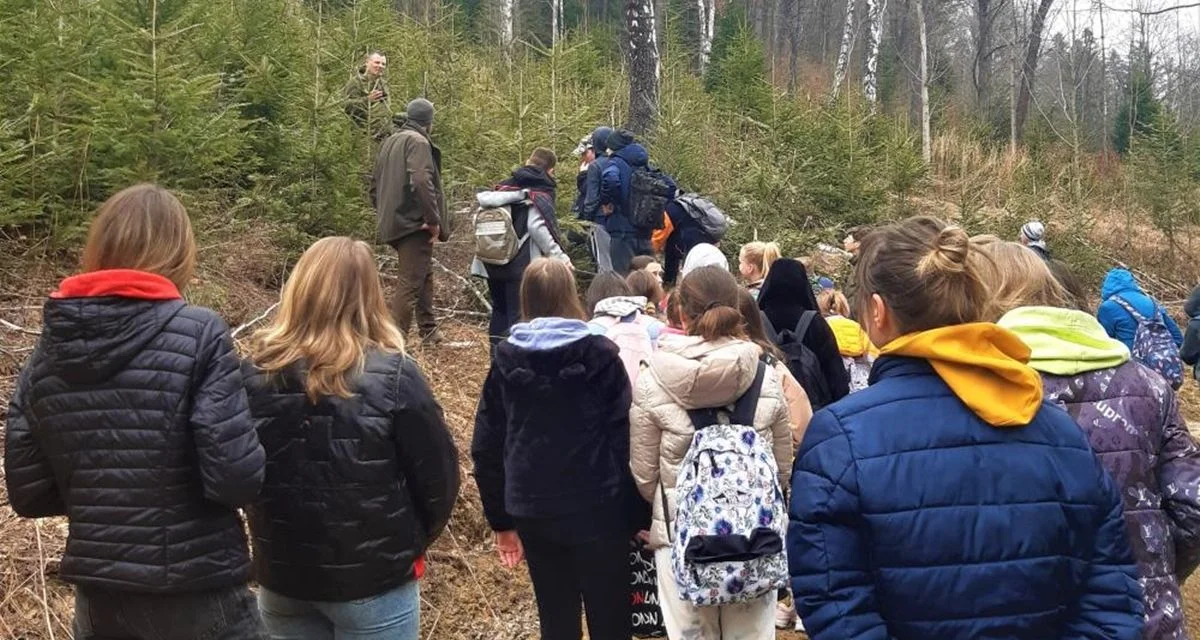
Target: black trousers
(506,308)
(566,574)
(224,614)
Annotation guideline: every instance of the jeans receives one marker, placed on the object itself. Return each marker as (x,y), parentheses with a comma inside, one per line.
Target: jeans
(225,614)
(415,283)
(601,248)
(506,308)
(569,576)
(392,615)
(624,248)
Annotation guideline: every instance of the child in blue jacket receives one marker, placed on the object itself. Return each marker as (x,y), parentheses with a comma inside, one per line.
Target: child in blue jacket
(947,500)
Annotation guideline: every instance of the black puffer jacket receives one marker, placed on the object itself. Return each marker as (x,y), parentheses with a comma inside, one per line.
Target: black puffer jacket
(131,419)
(356,489)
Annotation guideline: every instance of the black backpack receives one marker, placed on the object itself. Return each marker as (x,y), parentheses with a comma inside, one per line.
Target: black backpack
(802,361)
(650,191)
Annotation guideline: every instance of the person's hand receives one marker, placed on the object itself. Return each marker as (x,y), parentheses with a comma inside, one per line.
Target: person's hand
(434,230)
(375,96)
(644,536)
(606,209)
(508,545)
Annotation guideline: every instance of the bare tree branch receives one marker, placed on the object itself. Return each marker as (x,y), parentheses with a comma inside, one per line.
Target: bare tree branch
(1155,12)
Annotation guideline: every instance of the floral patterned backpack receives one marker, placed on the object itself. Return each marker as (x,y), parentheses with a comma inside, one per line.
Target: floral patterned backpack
(727,539)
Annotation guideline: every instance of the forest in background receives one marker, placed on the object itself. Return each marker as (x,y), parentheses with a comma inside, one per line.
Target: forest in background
(799,117)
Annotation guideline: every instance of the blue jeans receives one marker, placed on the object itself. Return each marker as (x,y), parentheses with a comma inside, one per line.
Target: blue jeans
(392,615)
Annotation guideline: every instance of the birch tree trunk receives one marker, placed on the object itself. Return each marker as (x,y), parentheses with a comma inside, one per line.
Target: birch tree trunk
(843,59)
(876,9)
(1106,142)
(704,10)
(1029,70)
(555,21)
(644,68)
(711,29)
(923,33)
(507,10)
(983,56)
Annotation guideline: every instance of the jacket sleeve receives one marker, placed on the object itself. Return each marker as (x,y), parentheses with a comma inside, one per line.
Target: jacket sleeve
(1110,607)
(610,184)
(1173,327)
(539,232)
(1190,351)
(781,435)
(356,103)
(32,489)
(228,452)
(828,558)
(1179,483)
(487,451)
(591,198)
(426,451)
(799,408)
(821,340)
(421,175)
(1108,314)
(645,439)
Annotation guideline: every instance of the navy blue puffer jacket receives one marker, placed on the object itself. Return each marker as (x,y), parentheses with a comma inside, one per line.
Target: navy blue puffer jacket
(131,420)
(913,518)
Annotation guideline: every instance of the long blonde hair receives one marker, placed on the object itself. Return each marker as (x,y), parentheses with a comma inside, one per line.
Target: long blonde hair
(1019,277)
(760,255)
(143,227)
(331,313)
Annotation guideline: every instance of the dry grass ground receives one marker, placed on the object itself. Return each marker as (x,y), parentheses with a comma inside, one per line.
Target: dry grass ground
(466,595)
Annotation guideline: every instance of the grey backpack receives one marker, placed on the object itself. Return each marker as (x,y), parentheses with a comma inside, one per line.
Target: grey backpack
(496,239)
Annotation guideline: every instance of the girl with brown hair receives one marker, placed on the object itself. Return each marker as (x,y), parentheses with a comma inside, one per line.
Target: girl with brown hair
(363,473)
(713,366)
(949,476)
(799,410)
(130,420)
(551,453)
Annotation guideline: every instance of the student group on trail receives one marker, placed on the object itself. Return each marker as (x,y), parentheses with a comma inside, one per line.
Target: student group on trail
(939,439)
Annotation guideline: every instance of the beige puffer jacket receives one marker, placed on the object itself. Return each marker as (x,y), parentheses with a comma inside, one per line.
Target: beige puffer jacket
(688,373)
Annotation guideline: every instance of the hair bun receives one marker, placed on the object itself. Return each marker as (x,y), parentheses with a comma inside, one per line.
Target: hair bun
(951,249)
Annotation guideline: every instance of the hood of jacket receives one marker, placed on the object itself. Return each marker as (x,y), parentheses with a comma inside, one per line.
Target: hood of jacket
(635,155)
(1192,306)
(549,351)
(96,322)
(786,294)
(620,306)
(532,178)
(984,365)
(852,340)
(545,334)
(1064,342)
(1119,281)
(698,375)
(703,255)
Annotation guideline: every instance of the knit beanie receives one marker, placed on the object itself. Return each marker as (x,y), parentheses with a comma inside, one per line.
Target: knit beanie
(1035,233)
(420,111)
(620,139)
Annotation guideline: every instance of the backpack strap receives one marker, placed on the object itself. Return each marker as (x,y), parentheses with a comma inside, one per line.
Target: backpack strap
(806,320)
(1124,304)
(743,408)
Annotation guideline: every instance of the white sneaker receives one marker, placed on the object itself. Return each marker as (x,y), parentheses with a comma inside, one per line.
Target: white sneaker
(785,615)
(799,624)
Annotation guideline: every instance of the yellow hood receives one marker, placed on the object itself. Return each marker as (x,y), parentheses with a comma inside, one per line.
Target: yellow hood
(984,365)
(852,341)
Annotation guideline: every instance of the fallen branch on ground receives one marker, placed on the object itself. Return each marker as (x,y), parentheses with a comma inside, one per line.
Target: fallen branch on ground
(466,283)
(13,327)
(255,320)
(460,312)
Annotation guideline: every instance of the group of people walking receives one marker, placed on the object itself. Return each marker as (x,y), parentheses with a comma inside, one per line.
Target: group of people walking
(947,445)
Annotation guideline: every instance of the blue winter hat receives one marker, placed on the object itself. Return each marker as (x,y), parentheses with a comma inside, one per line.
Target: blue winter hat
(826,283)
(620,139)
(600,139)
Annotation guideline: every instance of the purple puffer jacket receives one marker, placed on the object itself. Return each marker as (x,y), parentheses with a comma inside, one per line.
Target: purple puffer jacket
(1132,420)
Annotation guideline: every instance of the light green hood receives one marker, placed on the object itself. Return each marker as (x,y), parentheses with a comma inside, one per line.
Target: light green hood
(1064,342)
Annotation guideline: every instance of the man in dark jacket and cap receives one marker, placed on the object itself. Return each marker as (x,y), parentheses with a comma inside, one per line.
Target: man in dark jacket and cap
(616,199)
(590,209)
(406,191)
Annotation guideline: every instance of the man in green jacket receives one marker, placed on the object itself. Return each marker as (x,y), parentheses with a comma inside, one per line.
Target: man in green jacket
(406,191)
(367,100)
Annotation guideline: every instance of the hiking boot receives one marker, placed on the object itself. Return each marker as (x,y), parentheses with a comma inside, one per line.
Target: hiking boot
(785,615)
